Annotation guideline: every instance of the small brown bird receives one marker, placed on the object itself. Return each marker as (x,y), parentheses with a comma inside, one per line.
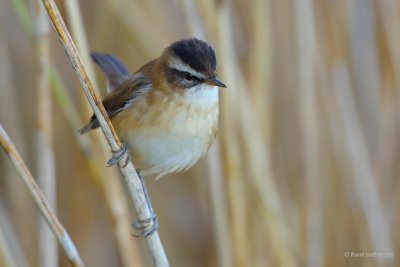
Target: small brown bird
(167,111)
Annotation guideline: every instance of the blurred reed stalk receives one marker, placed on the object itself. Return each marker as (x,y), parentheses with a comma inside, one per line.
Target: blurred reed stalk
(132,180)
(6,257)
(308,143)
(79,34)
(255,162)
(219,207)
(221,226)
(213,15)
(109,181)
(309,115)
(110,184)
(44,154)
(261,58)
(252,122)
(11,251)
(44,207)
(357,163)
(138,24)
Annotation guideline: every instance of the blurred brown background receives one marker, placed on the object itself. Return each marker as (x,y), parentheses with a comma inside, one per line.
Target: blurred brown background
(305,171)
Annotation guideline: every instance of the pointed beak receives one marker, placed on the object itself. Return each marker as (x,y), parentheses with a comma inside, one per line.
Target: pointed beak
(216,82)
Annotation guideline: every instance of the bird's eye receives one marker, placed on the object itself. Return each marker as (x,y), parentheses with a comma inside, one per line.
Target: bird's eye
(189,76)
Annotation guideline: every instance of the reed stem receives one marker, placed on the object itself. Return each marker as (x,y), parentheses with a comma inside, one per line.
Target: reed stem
(127,169)
(45,163)
(41,202)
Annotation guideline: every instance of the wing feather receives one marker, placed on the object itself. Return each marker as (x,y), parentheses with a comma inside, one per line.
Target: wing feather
(121,98)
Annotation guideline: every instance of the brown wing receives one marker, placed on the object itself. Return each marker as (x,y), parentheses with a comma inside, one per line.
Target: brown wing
(120,98)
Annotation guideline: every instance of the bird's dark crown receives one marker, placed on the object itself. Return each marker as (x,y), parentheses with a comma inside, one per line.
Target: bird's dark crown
(195,53)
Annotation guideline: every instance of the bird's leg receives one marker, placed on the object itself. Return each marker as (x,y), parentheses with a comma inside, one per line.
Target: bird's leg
(143,227)
(147,226)
(119,155)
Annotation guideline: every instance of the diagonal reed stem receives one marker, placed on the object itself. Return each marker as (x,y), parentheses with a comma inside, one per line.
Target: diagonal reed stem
(128,171)
(112,188)
(44,207)
(110,184)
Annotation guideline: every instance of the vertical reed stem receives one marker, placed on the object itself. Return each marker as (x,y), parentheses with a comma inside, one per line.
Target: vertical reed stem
(45,163)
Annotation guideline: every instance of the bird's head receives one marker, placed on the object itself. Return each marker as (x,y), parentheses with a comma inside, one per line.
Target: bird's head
(190,64)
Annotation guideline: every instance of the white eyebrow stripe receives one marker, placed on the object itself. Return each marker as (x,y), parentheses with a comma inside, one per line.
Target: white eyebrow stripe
(177,64)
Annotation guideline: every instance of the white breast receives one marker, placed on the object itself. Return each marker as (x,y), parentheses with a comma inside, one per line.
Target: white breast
(160,149)
(202,95)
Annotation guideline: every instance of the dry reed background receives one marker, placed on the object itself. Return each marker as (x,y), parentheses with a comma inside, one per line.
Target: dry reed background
(306,164)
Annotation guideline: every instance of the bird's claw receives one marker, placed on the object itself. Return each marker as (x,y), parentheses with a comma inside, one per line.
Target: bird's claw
(145,227)
(119,155)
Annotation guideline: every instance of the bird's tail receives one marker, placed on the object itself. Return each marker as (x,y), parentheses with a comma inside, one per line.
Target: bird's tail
(93,124)
(113,69)
(116,74)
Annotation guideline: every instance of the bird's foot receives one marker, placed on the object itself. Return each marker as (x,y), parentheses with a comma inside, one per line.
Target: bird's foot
(145,227)
(119,155)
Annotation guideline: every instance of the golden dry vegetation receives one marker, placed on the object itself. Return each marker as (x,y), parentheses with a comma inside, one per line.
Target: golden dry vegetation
(305,171)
